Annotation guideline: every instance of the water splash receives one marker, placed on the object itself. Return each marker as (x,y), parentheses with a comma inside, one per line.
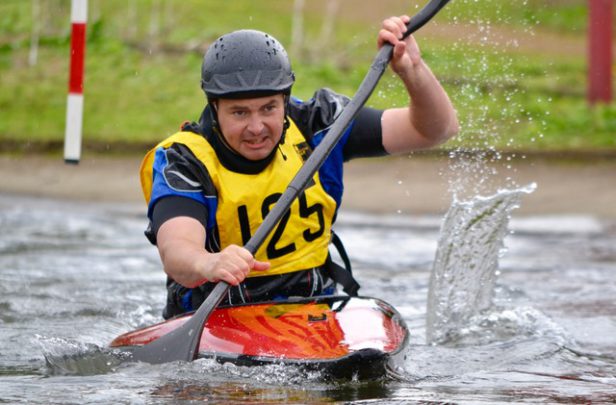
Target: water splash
(466,263)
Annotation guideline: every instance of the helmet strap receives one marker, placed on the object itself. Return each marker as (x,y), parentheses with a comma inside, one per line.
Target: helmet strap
(213,113)
(287,123)
(215,127)
(285,126)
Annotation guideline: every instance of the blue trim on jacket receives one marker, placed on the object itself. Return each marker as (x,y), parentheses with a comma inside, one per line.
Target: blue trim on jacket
(331,172)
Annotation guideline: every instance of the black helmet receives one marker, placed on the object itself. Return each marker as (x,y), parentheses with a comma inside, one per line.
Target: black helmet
(246,62)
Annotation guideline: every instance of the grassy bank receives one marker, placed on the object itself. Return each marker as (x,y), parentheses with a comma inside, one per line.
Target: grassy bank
(143,60)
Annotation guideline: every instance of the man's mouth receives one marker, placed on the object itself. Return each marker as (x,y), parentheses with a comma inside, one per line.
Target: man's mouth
(256,142)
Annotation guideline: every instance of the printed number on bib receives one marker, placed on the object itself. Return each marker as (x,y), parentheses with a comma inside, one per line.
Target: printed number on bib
(273,250)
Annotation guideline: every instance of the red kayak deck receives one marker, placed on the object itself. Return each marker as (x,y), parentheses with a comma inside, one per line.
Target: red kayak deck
(324,333)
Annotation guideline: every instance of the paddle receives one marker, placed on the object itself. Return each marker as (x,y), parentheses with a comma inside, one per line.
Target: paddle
(183,342)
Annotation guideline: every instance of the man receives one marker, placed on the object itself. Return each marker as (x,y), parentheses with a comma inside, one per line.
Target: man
(210,186)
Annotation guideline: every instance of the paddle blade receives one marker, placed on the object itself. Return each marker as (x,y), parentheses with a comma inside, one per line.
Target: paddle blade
(182,344)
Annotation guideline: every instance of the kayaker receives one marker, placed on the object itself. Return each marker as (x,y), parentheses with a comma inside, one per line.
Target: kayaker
(209,186)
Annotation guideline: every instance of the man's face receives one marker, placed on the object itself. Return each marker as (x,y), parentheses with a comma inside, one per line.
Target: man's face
(252,126)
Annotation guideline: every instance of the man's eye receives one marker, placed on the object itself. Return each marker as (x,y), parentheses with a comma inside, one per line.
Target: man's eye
(239,113)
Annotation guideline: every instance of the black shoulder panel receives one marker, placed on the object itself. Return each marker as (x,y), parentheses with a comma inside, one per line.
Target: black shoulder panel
(317,113)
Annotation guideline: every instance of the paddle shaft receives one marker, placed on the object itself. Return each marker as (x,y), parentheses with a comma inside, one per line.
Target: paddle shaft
(183,342)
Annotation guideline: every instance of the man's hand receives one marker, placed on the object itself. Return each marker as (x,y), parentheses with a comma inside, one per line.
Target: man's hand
(406,54)
(232,265)
(181,242)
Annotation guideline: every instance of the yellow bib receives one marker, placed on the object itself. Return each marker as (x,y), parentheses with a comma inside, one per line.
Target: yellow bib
(301,239)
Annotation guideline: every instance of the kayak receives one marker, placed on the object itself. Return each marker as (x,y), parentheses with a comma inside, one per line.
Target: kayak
(339,336)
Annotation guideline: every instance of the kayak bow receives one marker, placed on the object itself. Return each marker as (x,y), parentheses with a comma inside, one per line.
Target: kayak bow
(340,336)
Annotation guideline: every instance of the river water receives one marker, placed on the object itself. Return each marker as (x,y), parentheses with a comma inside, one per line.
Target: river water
(75,275)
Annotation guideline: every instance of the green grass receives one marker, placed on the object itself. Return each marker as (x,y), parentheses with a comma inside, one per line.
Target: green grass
(564,16)
(135,94)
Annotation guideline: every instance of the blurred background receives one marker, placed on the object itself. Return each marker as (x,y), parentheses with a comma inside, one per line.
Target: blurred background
(515,70)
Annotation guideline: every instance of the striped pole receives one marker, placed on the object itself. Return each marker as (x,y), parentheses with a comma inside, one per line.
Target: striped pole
(600,51)
(74,106)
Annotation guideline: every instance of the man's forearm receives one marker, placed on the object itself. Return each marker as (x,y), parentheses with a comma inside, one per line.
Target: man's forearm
(182,262)
(431,111)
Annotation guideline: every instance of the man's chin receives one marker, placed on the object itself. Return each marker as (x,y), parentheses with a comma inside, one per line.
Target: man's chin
(257,154)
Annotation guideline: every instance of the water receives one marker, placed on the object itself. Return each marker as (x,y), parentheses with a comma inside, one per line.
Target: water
(74,275)
(464,273)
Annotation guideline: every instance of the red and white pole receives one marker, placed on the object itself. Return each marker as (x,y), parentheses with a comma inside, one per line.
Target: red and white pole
(74,106)
(600,51)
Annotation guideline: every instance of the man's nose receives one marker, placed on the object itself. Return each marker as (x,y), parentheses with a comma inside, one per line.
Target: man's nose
(255,124)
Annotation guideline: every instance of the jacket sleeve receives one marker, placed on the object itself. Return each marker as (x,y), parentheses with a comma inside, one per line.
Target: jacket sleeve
(181,186)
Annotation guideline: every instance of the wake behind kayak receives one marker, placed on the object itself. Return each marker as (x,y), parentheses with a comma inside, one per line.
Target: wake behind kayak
(339,336)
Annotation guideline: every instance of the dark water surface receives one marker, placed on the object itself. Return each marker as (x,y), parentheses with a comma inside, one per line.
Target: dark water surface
(73,276)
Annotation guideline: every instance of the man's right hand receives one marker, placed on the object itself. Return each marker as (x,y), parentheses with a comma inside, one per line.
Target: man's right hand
(181,242)
(231,265)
